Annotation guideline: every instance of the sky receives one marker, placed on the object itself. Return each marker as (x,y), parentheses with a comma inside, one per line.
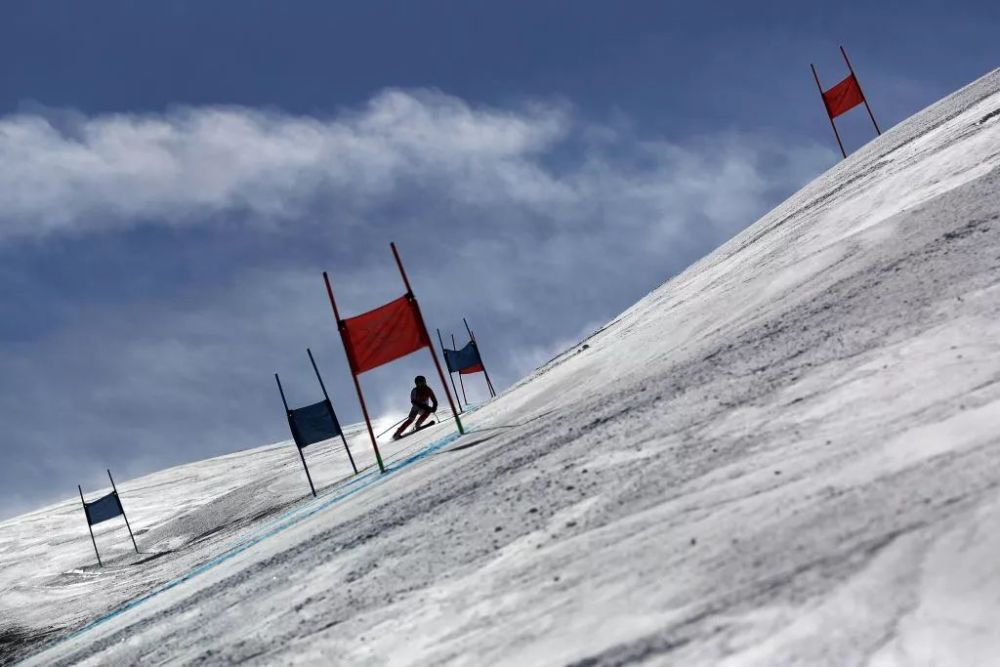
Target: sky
(175,177)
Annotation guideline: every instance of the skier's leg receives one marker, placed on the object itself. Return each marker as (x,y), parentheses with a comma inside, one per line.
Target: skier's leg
(409,420)
(424,414)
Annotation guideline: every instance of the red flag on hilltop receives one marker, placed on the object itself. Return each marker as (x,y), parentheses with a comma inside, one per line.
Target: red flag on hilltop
(843,97)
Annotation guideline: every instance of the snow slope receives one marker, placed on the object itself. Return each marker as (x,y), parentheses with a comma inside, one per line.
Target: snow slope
(789,454)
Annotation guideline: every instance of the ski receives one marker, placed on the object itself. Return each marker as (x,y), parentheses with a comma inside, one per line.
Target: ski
(411,432)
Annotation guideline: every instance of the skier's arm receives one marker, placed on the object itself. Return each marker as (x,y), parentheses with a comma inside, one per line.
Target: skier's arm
(434,400)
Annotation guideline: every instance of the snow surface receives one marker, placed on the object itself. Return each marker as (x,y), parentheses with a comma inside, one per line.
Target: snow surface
(789,454)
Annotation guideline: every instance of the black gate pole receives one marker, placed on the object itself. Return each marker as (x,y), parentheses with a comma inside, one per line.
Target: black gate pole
(124,516)
(827,110)
(450,376)
(342,328)
(330,406)
(460,380)
(863,97)
(472,337)
(427,336)
(87,516)
(489,383)
(288,414)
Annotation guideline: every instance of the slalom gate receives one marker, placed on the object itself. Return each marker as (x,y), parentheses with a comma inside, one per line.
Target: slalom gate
(314,423)
(382,335)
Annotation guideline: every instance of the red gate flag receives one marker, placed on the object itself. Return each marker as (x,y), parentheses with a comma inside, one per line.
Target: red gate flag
(384,334)
(843,97)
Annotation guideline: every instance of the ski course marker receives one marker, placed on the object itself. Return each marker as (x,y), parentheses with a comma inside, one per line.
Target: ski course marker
(279,525)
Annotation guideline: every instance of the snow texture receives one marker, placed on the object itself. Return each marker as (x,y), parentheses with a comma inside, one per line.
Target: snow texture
(789,454)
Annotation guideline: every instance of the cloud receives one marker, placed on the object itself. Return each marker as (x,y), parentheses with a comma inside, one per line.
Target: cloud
(67,172)
(167,264)
(70,173)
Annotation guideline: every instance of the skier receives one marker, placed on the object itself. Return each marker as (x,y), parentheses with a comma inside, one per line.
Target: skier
(423,402)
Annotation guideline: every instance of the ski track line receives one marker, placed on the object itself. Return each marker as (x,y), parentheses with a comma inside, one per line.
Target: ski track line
(292,518)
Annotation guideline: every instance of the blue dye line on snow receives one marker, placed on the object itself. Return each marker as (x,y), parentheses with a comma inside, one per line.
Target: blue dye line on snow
(288,520)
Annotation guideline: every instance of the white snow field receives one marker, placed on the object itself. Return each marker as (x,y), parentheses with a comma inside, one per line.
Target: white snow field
(788,454)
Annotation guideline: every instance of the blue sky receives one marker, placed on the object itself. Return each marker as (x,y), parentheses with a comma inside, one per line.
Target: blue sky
(175,177)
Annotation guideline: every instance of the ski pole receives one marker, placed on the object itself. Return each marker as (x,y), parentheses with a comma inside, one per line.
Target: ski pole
(391,427)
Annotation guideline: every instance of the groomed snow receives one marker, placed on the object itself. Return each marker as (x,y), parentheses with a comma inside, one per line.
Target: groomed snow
(789,454)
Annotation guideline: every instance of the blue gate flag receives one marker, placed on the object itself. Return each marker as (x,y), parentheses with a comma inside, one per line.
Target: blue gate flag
(313,423)
(103,509)
(459,360)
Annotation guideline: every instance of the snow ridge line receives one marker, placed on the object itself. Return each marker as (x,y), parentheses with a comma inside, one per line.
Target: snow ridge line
(289,520)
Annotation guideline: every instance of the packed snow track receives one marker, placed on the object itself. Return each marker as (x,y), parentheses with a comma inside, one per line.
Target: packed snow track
(788,454)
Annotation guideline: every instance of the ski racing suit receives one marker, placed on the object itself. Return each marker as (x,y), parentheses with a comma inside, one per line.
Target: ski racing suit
(424,403)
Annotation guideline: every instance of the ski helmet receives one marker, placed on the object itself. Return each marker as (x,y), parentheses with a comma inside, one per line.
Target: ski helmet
(420,379)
